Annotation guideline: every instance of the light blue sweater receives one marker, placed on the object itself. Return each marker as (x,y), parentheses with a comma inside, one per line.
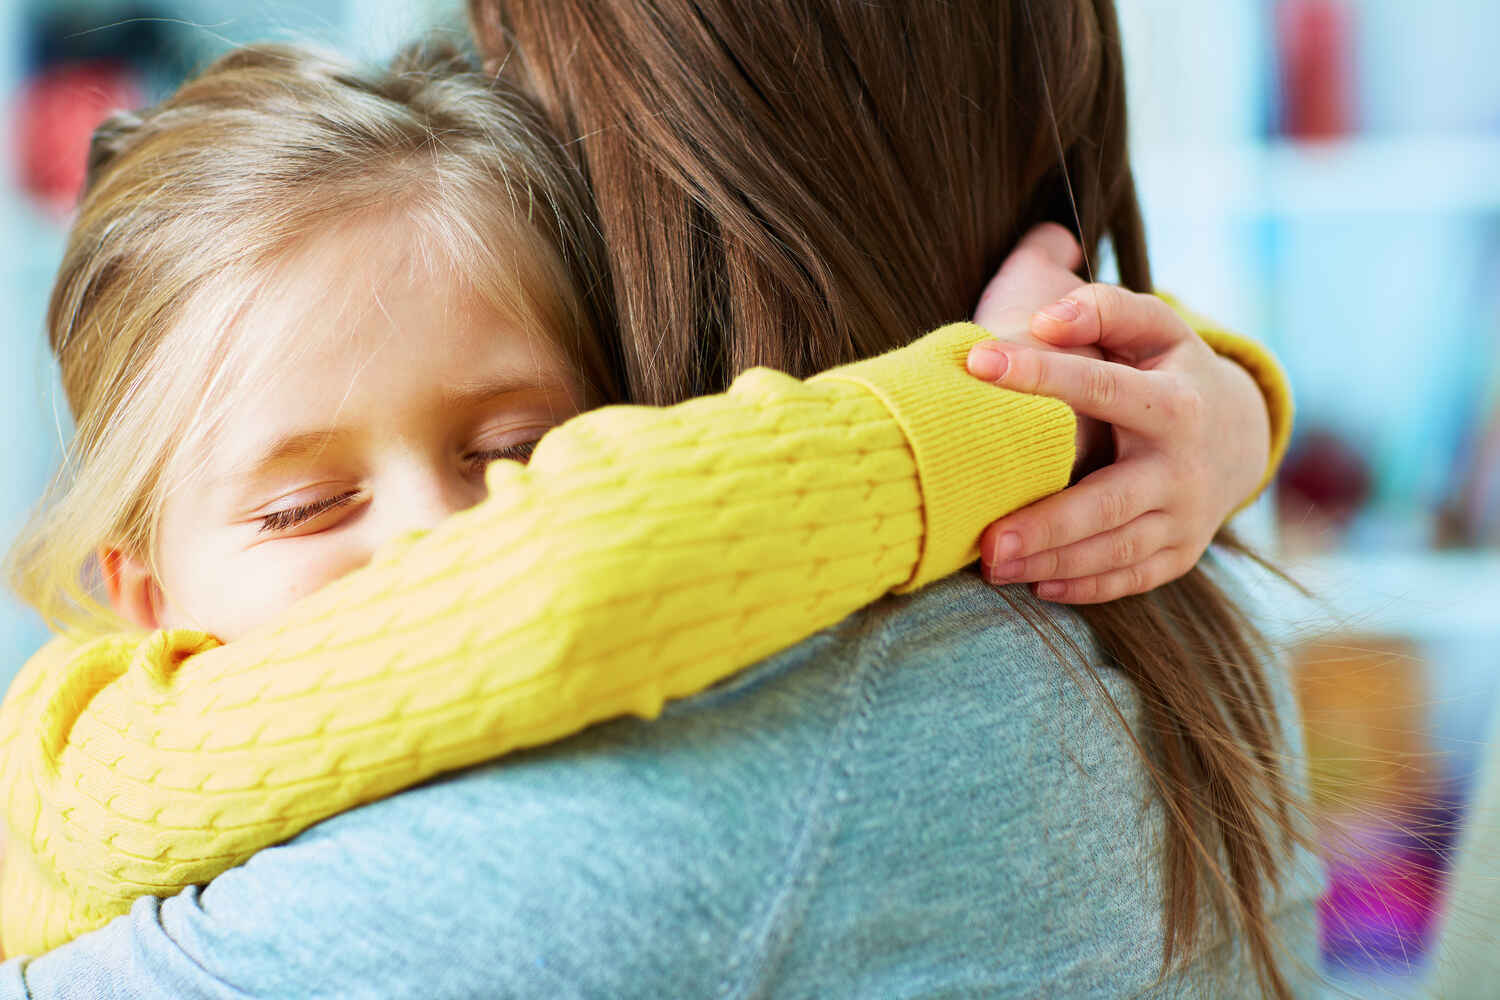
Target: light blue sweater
(917,802)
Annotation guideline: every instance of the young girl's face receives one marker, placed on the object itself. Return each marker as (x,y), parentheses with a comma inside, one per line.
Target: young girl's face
(380,423)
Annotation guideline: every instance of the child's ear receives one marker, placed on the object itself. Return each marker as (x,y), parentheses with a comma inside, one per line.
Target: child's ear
(133,592)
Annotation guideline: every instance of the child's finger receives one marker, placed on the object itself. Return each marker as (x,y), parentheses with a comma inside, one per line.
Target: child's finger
(1102,501)
(1119,321)
(1111,586)
(1125,546)
(1117,394)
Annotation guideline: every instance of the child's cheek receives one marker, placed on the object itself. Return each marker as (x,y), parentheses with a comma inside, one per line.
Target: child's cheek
(231,593)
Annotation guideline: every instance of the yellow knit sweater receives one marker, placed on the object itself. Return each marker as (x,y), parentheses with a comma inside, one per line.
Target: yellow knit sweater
(644,554)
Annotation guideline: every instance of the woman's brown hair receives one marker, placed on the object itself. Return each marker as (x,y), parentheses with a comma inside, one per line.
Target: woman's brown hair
(804,183)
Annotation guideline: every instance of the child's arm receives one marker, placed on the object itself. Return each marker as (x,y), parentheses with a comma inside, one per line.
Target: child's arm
(643,555)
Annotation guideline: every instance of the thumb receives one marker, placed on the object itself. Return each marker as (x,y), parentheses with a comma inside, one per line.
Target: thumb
(1125,325)
(1062,325)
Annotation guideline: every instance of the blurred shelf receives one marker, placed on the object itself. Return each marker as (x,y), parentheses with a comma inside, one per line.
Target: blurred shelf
(1415,174)
(1422,595)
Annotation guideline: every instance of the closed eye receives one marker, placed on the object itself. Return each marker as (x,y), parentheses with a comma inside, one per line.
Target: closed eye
(515,453)
(291,517)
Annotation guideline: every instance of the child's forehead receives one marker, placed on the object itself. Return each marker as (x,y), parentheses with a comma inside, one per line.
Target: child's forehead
(345,384)
(334,279)
(357,312)
(375,248)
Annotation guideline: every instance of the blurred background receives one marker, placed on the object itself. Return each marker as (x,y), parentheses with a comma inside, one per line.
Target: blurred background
(1321,174)
(1325,175)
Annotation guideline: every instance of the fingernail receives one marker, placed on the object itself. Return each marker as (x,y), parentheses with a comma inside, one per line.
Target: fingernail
(987,361)
(1007,571)
(1008,546)
(1062,311)
(1050,591)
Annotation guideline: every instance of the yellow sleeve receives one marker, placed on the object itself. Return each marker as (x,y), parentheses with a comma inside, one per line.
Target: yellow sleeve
(1268,374)
(644,554)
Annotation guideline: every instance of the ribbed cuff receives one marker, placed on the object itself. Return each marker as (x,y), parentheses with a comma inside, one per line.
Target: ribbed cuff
(981,451)
(1268,374)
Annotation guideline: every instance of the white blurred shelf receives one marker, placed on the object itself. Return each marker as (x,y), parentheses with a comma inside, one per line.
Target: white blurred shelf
(1422,595)
(1414,174)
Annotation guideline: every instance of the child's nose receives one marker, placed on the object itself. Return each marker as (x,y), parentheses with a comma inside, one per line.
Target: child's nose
(435,496)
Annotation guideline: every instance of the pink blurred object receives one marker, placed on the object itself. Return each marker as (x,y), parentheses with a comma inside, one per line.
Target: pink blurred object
(56,115)
(1314,40)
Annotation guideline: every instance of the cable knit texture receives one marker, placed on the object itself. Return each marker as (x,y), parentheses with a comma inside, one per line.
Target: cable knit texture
(644,554)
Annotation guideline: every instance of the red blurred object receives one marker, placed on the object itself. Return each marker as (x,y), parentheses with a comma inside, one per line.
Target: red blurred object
(1325,475)
(1314,39)
(55,118)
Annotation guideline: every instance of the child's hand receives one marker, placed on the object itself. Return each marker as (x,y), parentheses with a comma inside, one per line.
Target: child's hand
(1191,434)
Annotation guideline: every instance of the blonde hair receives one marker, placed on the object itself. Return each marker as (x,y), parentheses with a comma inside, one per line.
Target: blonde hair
(191,205)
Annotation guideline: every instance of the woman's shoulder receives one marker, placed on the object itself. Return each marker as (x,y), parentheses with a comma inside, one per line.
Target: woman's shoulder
(1025,683)
(927,763)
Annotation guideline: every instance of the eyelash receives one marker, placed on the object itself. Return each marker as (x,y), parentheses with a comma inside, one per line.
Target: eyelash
(285,520)
(516,453)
